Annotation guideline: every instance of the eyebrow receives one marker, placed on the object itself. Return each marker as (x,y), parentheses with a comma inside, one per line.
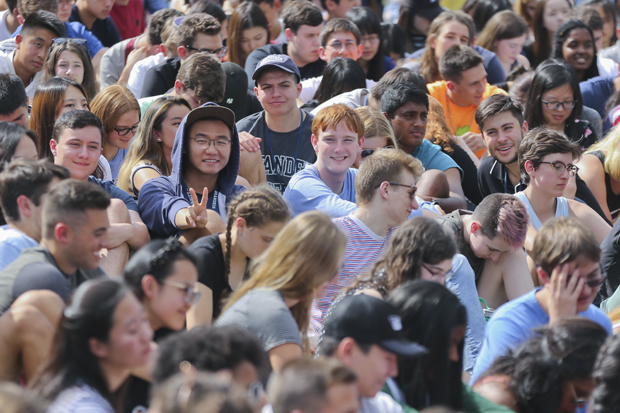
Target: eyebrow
(204,135)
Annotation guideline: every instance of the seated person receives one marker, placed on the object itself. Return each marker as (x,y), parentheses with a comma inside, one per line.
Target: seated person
(406,107)
(205,162)
(23,187)
(464,87)
(492,239)
(546,163)
(76,144)
(13,100)
(567,255)
(610,250)
(95,16)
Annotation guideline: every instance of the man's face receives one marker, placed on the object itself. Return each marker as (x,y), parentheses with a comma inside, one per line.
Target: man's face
(32,50)
(202,43)
(373,369)
(337,149)
(342,398)
(304,45)
(587,270)
(270,10)
(340,10)
(19,116)
(401,198)
(341,44)
(88,239)
(99,8)
(470,89)
(64,10)
(503,134)
(277,91)
(78,150)
(485,247)
(211,159)
(409,124)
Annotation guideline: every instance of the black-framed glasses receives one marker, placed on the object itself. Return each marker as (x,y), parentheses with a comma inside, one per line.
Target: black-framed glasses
(338,46)
(556,105)
(446,275)
(595,283)
(559,168)
(413,188)
(204,143)
(577,401)
(76,40)
(189,295)
(125,131)
(221,52)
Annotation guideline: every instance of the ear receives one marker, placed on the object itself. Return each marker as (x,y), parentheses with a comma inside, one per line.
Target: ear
(53,147)
(299,88)
(149,286)
(388,117)
(289,34)
(182,51)
(241,224)
(450,85)
(542,275)
(475,227)
(526,127)
(178,87)
(315,143)
(361,142)
(63,233)
(25,205)
(156,135)
(360,50)
(433,41)
(161,49)
(256,91)
(322,53)
(329,5)
(529,168)
(18,41)
(20,19)
(346,350)
(384,190)
(99,349)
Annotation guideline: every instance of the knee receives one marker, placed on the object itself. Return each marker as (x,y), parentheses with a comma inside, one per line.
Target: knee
(118,212)
(434,183)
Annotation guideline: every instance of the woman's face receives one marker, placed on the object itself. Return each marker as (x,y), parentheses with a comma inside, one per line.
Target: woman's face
(578,49)
(167,306)
(450,34)
(372,144)
(555,13)
(507,50)
(170,125)
(74,100)
(436,272)
(371,44)
(608,25)
(546,178)
(530,8)
(70,66)
(557,117)
(127,124)
(252,39)
(254,240)
(129,342)
(25,149)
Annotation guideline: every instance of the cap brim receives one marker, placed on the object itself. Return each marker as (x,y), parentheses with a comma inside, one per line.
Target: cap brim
(212,111)
(260,69)
(403,348)
(431,14)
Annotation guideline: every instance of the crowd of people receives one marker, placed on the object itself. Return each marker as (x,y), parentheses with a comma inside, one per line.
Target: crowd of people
(334,206)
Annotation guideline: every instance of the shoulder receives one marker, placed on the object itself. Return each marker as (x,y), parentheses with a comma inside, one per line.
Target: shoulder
(487,164)
(307,176)
(493,90)
(437,87)
(116,192)
(246,124)
(80,399)
(206,244)
(596,315)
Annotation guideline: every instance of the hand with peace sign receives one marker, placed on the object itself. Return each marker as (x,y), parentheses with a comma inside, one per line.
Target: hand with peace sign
(194,216)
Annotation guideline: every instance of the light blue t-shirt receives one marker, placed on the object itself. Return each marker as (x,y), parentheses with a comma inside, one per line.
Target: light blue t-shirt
(514,323)
(12,243)
(117,162)
(432,157)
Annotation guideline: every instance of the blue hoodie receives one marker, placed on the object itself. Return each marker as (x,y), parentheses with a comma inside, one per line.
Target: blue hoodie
(161,198)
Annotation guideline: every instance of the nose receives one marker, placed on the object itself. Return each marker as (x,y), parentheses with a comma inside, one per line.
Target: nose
(414,203)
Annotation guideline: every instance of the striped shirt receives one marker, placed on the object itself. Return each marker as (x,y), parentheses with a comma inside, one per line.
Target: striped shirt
(364,248)
(80,399)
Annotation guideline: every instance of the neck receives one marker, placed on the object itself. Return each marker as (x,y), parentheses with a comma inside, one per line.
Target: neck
(467,227)
(24,74)
(168,156)
(154,321)
(237,256)
(275,29)
(109,152)
(514,172)
(60,256)
(506,67)
(284,123)
(141,42)
(11,22)
(199,181)
(334,182)
(115,375)
(407,148)
(557,127)
(290,302)
(456,99)
(580,74)
(374,218)
(88,19)
(290,51)
(27,228)
(541,202)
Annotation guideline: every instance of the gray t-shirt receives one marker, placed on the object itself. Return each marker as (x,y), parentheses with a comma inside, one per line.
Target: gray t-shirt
(264,314)
(282,147)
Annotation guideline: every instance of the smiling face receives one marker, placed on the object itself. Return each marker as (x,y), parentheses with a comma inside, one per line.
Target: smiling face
(545,177)
(170,125)
(507,50)
(78,150)
(555,13)
(409,124)
(255,240)
(128,120)
(588,271)
(31,51)
(578,49)
(450,34)
(252,39)
(502,134)
(277,92)
(555,118)
(337,149)
(88,238)
(210,160)
(401,199)
(70,66)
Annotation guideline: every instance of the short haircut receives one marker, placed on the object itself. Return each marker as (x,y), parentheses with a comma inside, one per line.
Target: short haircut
(589,15)
(211,8)
(504,216)
(203,74)
(400,93)
(456,60)
(332,116)
(12,94)
(497,104)
(563,240)
(338,26)
(194,24)
(169,37)
(208,349)
(26,7)
(76,119)
(29,178)
(68,202)
(269,2)
(300,13)
(384,165)
(156,25)
(397,75)
(540,142)
(43,20)
(302,384)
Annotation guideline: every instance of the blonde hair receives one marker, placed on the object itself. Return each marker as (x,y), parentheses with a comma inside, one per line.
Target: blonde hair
(437,129)
(112,103)
(610,146)
(302,257)
(376,125)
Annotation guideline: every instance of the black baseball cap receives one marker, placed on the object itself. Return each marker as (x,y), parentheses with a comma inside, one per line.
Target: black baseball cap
(429,9)
(211,111)
(280,61)
(370,320)
(236,94)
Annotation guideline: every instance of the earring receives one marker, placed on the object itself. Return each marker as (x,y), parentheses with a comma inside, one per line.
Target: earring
(158,140)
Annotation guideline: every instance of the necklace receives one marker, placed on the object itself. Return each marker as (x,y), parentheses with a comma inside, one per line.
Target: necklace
(455,130)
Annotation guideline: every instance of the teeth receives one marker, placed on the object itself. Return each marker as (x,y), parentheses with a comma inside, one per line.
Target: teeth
(339,159)
(210,161)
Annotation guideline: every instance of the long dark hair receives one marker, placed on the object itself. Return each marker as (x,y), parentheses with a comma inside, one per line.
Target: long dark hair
(89,81)
(542,45)
(482,10)
(90,315)
(246,16)
(340,75)
(606,397)
(552,74)
(560,37)
(367,21)
(10,136)
(429,313)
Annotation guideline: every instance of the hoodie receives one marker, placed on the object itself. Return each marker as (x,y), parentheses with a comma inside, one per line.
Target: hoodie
(161,198)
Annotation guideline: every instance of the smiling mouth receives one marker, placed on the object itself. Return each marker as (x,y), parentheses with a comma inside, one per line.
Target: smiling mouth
(210,160)
(340,158)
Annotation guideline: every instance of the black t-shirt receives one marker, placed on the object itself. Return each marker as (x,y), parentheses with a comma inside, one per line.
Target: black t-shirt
(159,79)
(469,184)
(610,262)
(105,30)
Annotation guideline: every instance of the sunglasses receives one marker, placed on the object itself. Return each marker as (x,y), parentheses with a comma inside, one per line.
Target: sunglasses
(367,152)
(77,40)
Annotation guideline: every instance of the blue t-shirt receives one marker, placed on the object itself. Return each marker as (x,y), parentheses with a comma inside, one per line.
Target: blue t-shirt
(514,323)
(76,30)
(117,162)
(12,243)
(432,157)
(115,192)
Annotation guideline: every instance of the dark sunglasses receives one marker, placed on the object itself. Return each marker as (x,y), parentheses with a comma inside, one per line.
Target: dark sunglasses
(77,40)
(367,152)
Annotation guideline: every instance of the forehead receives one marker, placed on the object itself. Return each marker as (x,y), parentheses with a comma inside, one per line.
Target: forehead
(274,75)
(209,128)
(579,34)
(89,134)
(410,106)
(342,128)
(69,55)
(499,120)
(307,29)
(561,91)
(39,33)
(559,157)
(454,27)
(474,74)
(341,36)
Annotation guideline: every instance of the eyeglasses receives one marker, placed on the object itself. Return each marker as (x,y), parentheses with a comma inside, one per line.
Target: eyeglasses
(595,283)
(125,131)
(372,39)
(204,143)
(221,52)
(412,187)
(577,401)
(190,296)
(61,40)
(337,46)
(367,152)
(446,276)
(559,168)
(556,105)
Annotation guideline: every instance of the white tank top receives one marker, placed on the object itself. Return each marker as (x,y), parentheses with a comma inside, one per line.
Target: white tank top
(561,209)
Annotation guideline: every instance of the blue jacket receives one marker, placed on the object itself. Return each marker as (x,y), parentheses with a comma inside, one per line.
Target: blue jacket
(161,198)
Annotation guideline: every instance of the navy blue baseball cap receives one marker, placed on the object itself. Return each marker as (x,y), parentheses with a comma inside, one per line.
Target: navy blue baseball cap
(280,61)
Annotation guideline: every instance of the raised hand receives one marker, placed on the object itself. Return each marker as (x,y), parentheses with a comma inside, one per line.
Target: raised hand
(196,215)
(565,290)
